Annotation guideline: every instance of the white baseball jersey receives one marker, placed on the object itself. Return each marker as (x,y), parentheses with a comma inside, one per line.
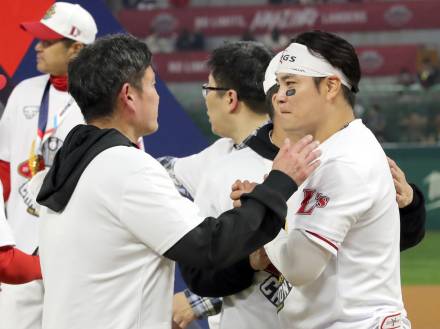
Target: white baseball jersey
(18,129)
(123,215)
(254,307)
(6,238)
(348,206)
(190,170)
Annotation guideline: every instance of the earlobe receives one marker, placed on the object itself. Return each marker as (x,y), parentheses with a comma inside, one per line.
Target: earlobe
(232,100)
(333,87)
(76,47)
(125,93)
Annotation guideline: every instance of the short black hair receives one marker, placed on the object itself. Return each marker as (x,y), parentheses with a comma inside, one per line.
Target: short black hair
(339,53)
(241,66)
(97,74)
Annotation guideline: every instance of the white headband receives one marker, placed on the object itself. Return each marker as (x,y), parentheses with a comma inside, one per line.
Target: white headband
(270,78)
(298,59)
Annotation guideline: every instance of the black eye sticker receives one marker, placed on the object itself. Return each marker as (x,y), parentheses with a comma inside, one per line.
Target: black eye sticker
(290,92)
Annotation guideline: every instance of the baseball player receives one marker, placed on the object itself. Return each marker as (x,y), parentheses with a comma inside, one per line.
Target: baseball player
(340,255)
(38,115)
(114,213)
(15,266)
(236,108)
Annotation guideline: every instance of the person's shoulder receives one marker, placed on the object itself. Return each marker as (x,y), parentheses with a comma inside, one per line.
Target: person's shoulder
(221,145)
(240,164)
(34,82)
(130,155)
(354,143)
(131,159)
(206,157)
(244,155)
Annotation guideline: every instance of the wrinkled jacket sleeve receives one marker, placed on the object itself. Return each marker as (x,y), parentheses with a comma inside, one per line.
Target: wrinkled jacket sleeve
(413,221)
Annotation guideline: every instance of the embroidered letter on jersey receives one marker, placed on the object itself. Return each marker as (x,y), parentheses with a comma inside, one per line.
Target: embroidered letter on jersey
(320,201)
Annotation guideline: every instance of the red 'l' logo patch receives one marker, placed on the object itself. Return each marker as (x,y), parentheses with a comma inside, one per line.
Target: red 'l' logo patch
(308,205)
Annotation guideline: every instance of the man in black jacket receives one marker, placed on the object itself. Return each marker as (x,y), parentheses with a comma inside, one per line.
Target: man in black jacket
(113,211)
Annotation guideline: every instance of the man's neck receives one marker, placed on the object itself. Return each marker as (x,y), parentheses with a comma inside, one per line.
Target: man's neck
(246,125)
(278,135)
(115,123)
(333,126)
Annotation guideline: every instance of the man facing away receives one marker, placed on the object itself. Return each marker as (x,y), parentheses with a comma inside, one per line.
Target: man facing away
(38,116)
(236,107)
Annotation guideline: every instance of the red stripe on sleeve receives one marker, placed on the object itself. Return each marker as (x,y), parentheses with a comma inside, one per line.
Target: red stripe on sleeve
(323,239)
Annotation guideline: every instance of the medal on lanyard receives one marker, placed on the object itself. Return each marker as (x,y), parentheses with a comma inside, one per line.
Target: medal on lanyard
(36,160)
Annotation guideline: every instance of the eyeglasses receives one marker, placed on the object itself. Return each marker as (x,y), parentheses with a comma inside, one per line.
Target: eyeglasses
(206,88)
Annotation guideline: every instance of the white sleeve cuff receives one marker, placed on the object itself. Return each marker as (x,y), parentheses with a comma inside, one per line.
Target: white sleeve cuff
(297,257)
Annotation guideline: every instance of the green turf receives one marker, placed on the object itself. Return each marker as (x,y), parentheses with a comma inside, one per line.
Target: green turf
(421,264)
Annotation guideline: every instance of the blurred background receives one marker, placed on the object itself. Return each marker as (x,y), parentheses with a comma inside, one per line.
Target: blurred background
(398,43)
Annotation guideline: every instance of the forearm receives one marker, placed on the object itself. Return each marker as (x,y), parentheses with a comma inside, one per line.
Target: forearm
(218,282)
(299,259)
(219,243)
(412,221)
(17,267)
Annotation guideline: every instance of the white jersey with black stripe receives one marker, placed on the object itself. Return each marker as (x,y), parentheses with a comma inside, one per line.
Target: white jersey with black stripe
(348,206)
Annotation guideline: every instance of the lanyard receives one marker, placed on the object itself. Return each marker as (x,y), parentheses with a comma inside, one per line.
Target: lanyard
(36,162)
(43,113)
(42,133)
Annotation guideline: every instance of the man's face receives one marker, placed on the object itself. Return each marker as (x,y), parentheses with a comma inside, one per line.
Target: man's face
(147,102)
(53,56)
(302,111)
(217,109)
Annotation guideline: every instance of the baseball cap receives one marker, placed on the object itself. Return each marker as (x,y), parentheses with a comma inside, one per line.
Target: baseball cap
(64,20)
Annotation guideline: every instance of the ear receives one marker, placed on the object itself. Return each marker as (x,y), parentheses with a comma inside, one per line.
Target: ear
(126,97)
(75,48)
(333,87)
(274,98)
(232,99)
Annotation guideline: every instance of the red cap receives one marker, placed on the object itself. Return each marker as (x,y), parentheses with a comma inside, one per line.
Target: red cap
(40,31)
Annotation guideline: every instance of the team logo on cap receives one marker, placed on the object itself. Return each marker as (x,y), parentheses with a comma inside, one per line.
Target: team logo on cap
(49,13)
(288,58)
(74,31)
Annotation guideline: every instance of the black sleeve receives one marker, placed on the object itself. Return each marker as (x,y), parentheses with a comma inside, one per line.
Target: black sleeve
(220,243)
(219,283)
(412,221)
